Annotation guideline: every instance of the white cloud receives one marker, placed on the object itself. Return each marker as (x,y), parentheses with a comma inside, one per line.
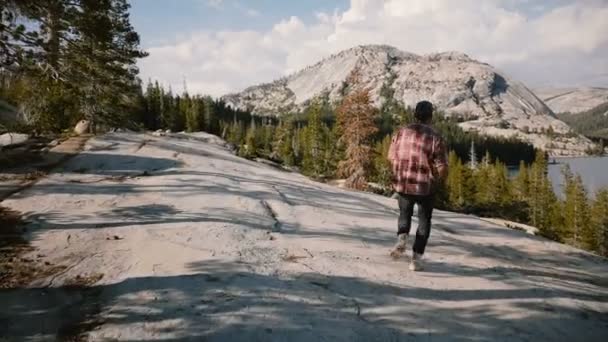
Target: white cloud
(250,12)
(287,27)
(237,5)
(215,3)
(563,45)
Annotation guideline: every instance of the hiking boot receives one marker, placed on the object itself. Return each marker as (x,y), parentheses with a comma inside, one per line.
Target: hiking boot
(416,262)
(400,246)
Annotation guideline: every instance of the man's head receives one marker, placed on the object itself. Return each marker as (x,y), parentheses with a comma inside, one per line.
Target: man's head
(424,112)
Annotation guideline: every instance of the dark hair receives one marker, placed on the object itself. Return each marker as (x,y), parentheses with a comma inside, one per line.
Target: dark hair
(424,111)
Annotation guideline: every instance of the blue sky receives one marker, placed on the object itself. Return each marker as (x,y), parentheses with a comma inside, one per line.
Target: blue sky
(222,46)
(157,22)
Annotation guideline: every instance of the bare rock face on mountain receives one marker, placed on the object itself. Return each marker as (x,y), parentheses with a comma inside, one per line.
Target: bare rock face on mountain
(573,100)
(486,100)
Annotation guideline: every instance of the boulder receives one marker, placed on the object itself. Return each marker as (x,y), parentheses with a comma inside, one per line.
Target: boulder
(82,127)
(8,139)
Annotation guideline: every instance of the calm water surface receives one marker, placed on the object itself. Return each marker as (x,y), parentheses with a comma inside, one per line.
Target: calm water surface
(593,170)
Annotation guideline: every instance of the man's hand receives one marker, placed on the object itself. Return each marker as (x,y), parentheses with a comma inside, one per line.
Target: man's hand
(442,171)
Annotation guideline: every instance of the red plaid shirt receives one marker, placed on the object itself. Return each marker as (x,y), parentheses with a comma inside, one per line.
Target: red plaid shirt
(415,154)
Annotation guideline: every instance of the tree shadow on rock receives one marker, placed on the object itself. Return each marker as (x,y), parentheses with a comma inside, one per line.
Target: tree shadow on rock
(227,301)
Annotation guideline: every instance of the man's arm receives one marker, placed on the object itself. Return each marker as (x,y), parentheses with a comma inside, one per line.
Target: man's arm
(440,160)
(392,150)
(442,171)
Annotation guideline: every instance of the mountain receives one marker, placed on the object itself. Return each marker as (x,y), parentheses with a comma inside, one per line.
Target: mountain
(592,122)
(485,99)
(572,100)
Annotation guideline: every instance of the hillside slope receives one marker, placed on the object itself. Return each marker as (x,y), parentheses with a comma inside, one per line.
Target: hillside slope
(488,100)
(592,123)
(182,240)
(573,100)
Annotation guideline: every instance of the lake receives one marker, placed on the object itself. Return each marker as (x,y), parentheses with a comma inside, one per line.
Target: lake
(593,171)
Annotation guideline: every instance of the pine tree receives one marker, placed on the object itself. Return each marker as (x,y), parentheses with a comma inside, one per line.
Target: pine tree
(588,238)
(458,183)
(502,189)
(599,221)
(522,182)
(152,106)
(542,201)
(356,117)
(382,166)
(102,61)
(537,177)
(166,117)
(202,114)
(484,187)
(12,34)
(249,149)
(469,187)
(314,154)
(192,112)
(330,156)
(77,59)
(33,36)
(266,136)
(337,150)
(38,44)
(575,211)
(236,134)
(283,145)
(296,144)
(210,115)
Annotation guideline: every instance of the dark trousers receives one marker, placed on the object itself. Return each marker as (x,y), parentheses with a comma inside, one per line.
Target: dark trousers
(425,213)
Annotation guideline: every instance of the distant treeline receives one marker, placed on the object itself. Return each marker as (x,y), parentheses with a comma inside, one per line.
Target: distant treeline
(485,189)
(162,109)
(592,123)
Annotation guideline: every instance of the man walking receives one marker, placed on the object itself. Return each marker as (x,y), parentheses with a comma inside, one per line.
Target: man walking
(419,161)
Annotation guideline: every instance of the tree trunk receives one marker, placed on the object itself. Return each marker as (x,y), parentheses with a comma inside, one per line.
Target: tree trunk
(54,23)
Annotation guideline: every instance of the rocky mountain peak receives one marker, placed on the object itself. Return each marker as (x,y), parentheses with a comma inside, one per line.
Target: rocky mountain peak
(485,99)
